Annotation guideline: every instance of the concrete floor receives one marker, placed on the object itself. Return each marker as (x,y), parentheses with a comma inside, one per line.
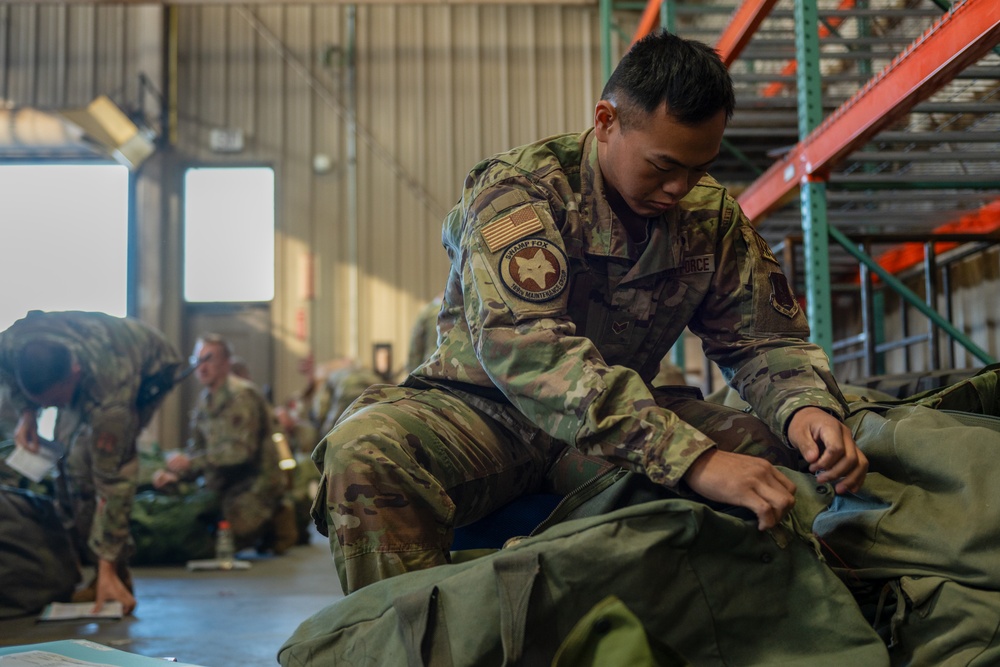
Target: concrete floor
(209,618)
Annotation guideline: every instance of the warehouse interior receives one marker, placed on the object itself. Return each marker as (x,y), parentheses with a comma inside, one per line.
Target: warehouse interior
(865,148)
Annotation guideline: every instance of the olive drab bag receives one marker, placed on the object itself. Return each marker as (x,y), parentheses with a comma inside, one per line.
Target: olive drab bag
(707,588)
(920,540)
(173,528)
(610,634)
(915,551)
(37,559)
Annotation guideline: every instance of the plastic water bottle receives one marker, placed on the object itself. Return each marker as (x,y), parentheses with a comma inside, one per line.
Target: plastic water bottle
(225,549)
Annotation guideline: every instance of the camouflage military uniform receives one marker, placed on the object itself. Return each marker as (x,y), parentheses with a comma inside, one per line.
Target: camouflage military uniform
(231,445)
(344,386)
(9,416)
(117,357)
(554,323)
(423,334)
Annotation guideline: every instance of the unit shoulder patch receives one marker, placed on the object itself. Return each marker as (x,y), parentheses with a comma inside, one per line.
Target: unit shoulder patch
(782,299)
(517,224)
(534,269)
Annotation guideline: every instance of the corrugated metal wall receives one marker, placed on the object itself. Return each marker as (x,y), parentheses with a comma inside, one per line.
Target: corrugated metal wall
(435,89)
(57,56)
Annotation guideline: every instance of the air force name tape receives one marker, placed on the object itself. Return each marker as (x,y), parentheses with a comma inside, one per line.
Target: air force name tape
(698,264)
(534,269)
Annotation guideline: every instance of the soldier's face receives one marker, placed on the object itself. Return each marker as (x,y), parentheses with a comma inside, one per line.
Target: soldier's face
(654,163)
(213,366)
(58,395)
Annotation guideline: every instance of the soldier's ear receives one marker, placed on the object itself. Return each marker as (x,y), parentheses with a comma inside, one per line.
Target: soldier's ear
(605,118)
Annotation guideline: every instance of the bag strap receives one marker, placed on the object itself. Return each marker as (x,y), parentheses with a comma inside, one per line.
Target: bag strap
(515,578)
(975,419)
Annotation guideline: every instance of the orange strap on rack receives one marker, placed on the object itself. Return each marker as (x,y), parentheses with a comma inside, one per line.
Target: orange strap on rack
(905,255)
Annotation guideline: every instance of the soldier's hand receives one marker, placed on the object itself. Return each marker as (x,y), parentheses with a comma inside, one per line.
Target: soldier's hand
(178,462)
(26,433)
(829,448)
(162,478)
(745,481)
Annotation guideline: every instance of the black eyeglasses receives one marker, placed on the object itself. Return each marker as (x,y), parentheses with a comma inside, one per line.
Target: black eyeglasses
(195,360)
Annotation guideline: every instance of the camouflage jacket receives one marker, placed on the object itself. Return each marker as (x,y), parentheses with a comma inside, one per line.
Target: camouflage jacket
(342,387)
(551,307)
(115,356)
(231,440)
(423,334)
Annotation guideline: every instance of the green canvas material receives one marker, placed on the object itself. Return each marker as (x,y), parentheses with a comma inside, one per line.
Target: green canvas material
(902,573)
(173,529)
(917,545)
(610,634)
(707,584)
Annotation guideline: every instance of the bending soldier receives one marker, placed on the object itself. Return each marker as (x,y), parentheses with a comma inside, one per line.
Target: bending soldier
(107,376)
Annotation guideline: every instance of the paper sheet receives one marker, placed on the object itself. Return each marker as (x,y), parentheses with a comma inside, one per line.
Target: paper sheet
(43,659)
(77,653)
(214,564)
(35,466)
(67,611)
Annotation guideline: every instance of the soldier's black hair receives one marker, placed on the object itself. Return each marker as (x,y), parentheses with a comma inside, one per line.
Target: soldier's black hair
(40,364)
(662,67)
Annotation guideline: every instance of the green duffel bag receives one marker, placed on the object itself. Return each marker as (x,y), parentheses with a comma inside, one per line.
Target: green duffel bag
(610,634)
(918,541)
(37,561)
(707,587)
(171,529)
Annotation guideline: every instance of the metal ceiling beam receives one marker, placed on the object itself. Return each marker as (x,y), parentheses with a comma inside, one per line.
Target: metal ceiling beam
(957,40)
(939,137)
(742,26)
(949,198)
(401,3)
(884,219)
(966,183)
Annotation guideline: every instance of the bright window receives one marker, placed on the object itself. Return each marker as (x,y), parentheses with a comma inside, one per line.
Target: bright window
(64,234)
(229,234)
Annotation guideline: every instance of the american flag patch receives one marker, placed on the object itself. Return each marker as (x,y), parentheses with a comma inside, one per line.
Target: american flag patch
(516,225)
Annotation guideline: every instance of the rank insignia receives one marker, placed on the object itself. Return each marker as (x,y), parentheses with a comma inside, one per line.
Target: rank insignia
(618,329)
(534,269)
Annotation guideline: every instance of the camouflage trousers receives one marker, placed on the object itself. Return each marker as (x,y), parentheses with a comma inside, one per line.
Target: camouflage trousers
(248,512)
(405,466)
(88,472)
(77,488)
